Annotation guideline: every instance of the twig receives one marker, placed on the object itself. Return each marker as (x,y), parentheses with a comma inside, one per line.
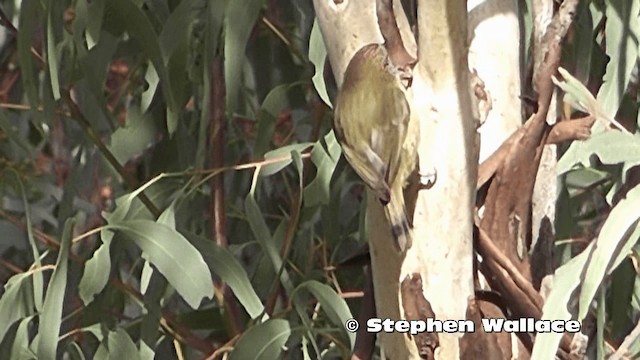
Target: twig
(575,129)
(217,206)
(104,150)
(227,347)
(280,35)
(489,250)
(563,131)
(391,34)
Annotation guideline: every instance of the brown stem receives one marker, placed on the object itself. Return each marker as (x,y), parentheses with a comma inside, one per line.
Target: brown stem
(507,216)
(488,250)
(131,182)
(217,138)
(391,34)
(563,131)
(576,129)
(365,341)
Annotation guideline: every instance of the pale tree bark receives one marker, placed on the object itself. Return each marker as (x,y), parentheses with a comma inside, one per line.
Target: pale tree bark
(437,271)
(545,192)
(495,55)
(448,143)
(494,31)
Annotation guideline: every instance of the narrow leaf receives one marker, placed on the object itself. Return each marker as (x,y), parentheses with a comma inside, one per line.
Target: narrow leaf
(168,251)
(52,59)
(611,247)
(20,349)
(226,266)
(262,342)
(51,316)
(318,56)
(96,272)
(240,17)
(332,304)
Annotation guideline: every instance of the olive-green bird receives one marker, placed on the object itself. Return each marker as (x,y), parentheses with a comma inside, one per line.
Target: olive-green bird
(371,120)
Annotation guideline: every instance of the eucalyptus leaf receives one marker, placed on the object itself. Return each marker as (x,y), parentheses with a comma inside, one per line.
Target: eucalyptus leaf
(51,316)
(616,238)
(167,250)
(622,31)
(16,301)
(262,342)
(225,265)
(318,56)
(335,306)
(96,272)
(52,58)
(239,19)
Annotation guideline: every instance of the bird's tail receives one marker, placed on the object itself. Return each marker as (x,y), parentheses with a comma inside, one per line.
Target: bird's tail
(396,214)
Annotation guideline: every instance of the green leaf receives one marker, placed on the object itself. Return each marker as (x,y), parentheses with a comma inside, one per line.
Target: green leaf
(74,352)
(95,66)
(318,191)
(266,241)
(577,94)
(580,98)
(52,59)
(227,267)
(167,250)
(152,79)
(240,17)
(335,306)
(16,302)
(263,235)
(318,56)
(145,277)
(583,179)
(262,342)
(94,27)
(284,153)
(150,326)
(51,316)
(176,29)
(611,147)
(611,247)
(622,294)
(129,206)
(38,282)
(20,349)
(135,137)
(29,20)
(586,270)
(622,31)
(583,47)
(121,346)
(175,44)
(172,121)
(275,101)
(567,278)
(96,272)
(131,18)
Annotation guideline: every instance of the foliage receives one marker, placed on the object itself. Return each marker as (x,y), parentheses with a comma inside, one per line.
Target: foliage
(600,196)
(106,167)
(107,100)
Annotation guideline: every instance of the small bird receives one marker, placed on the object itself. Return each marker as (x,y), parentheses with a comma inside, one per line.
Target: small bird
(371,122)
